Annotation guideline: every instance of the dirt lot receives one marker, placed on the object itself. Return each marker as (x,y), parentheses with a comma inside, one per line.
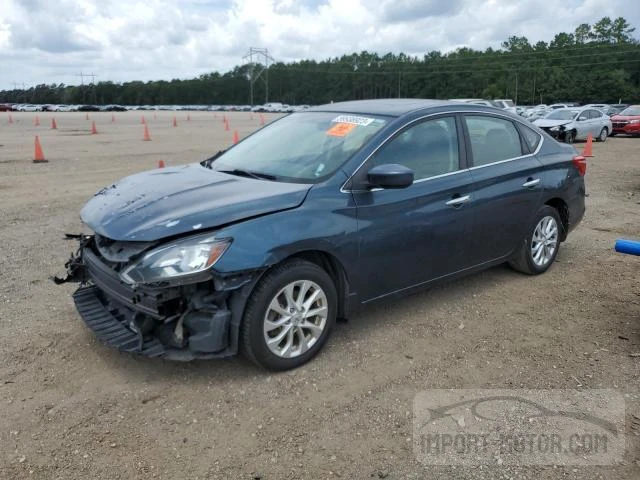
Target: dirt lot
(73,409)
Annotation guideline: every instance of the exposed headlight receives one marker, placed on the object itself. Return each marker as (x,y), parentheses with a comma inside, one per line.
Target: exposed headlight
(177,259)
(555,129)
(634,121)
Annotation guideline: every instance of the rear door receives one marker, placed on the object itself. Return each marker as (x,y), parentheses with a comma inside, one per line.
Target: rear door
(413,235)
(507,184)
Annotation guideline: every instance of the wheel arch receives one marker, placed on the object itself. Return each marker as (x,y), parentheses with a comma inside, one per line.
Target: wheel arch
(334,267)
(563,211)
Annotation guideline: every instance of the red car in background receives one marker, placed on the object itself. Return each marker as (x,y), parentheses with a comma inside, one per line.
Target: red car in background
(627,121)
(5,107)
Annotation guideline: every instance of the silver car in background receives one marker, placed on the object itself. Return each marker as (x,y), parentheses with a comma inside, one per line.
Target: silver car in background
(570,124)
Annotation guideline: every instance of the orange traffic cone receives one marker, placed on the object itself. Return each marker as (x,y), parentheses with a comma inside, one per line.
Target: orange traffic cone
(175,122)
(188,117)
(94,130)
(226,126)
(160,163)
(261,120)
(10,119)
(588,148)
(146,137)
(142,120)
(113,118)
(236,139)
(86,116)
(224,119)
(38,156)
(36,121)
(54,125)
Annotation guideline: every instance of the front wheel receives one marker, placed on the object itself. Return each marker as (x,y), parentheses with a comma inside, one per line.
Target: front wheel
(289,315)
(539,248)
(570,137)
(604,133)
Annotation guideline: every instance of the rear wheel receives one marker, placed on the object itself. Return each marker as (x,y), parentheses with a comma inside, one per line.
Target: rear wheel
(604,133)
(540,247)
(289,315)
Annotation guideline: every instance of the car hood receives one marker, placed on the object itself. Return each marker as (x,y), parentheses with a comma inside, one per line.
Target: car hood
(171,201)
(545,122)
(622,118)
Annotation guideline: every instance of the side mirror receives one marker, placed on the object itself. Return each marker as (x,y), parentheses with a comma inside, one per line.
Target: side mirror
(390,175)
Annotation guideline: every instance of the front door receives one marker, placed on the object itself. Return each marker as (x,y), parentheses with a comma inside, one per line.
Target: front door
(411,236)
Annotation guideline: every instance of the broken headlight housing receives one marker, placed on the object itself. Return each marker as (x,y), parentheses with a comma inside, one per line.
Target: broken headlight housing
(177,259)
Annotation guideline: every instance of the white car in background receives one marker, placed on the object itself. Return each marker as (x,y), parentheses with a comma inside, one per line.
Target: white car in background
(570,124)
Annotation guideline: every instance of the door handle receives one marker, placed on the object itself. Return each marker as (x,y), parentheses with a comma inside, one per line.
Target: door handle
(457,201)
(531,182)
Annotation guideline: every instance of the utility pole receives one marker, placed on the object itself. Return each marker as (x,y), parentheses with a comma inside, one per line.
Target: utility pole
(81,75)
(516,99)
(258,70)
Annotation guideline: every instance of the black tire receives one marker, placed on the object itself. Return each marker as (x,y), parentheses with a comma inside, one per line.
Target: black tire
(612,134)
(602,136)
(522,260)
(570,137)
(253,343)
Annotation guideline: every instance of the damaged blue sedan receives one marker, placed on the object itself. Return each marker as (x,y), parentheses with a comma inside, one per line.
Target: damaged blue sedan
(260,248)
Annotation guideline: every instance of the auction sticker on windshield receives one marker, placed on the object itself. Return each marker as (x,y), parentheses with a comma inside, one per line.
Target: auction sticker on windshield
(341,129)
(354,120)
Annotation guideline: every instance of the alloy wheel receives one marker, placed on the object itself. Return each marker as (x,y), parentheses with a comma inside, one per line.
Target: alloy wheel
(545,241)
(295,318)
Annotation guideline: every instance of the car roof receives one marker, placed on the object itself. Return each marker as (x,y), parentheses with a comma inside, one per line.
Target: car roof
(393,107)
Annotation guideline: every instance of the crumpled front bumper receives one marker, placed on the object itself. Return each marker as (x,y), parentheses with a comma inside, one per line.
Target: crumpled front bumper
(174,321)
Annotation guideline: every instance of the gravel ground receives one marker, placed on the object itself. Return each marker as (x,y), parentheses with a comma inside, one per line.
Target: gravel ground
(74,409)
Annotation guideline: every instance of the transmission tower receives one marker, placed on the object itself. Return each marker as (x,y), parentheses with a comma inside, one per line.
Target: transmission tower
(258,63)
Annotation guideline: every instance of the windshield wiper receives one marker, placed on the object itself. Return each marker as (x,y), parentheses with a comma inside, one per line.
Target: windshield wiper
(207,163)
(249,174)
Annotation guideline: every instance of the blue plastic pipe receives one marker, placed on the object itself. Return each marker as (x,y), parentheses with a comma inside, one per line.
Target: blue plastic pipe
(628,246)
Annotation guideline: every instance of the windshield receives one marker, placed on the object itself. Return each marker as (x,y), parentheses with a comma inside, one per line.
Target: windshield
(301,147)
(635,110)
(562,115)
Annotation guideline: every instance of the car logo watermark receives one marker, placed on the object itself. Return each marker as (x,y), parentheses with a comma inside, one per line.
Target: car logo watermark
(519,427)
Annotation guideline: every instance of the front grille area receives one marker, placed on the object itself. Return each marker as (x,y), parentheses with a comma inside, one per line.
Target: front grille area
(109,324)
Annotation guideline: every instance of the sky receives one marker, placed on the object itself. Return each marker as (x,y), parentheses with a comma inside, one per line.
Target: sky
(44,41)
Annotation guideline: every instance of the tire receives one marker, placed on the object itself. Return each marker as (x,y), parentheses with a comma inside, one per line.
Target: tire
(524,260)
(269,306)
(612,134)
(604,133)
(570,137)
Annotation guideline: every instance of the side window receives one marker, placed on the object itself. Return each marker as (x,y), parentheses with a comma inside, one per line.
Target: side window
(531,138)
(492,139)
(594,114)
(429,148)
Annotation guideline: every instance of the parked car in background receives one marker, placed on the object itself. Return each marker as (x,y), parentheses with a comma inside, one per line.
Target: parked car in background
(28,107)
(570,124)
(113,108)
(5,107)
(627,122)
(615,109)
(88,108)
(260,248)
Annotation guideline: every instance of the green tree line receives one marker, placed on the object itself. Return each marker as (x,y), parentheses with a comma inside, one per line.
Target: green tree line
(595,63)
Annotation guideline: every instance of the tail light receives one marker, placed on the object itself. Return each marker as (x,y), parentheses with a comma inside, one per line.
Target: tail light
(580,163)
